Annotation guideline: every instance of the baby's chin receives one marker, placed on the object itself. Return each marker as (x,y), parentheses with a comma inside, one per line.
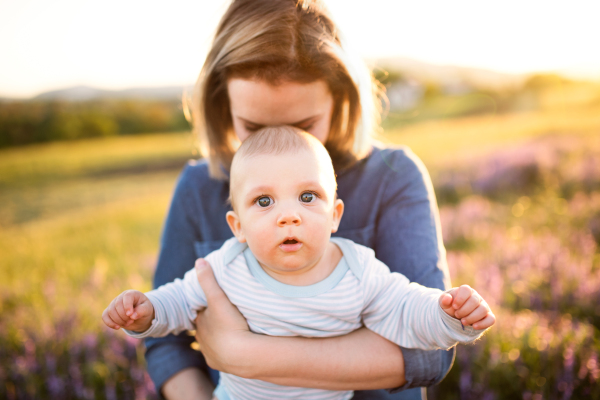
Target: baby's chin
(289,264)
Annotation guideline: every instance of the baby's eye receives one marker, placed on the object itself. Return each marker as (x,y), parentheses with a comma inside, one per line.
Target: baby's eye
(307,197)
(264,201)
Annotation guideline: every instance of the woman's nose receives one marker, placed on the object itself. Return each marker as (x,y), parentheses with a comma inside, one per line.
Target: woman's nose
(289,217)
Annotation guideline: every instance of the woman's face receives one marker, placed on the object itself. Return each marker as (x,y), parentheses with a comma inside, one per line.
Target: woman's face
(256,104)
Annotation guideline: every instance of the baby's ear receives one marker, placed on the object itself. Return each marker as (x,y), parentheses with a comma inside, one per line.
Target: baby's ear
(234,224)
(338,211)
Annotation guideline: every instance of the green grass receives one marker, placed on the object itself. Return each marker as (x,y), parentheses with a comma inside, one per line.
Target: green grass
(80,221)
(24,204)
(45,163)
(459,140)
(40,181)
(76,263)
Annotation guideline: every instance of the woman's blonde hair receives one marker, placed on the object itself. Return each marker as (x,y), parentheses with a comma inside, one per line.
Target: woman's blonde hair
(275,41)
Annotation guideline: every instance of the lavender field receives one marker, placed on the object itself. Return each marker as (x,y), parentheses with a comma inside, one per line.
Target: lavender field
(523,227)
(521,223)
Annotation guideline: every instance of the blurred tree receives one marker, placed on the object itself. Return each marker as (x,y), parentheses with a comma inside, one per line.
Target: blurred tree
(386,77)
(24,122)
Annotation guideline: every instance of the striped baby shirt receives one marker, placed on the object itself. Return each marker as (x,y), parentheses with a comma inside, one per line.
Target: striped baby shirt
(361,291)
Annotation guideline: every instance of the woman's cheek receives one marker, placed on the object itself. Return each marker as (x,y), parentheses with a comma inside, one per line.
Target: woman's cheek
(241,133)
(321,132)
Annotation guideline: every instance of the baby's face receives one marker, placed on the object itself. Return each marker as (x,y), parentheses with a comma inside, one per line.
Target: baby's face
(285,209)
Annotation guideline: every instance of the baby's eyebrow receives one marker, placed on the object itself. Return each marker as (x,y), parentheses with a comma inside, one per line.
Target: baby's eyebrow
(314,183)
(310,183)
(260,189)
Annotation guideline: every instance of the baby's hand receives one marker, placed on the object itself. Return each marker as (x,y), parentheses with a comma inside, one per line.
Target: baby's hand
(466,304)
(131,309)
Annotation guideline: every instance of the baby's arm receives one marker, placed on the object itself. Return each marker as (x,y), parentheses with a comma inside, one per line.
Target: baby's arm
(173,309)
(465,304)
(409,314)
(131,309)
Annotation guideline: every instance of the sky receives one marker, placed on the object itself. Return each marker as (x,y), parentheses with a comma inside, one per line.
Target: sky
(110,44)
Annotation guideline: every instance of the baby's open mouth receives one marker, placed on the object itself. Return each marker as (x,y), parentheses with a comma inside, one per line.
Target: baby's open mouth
(290,245)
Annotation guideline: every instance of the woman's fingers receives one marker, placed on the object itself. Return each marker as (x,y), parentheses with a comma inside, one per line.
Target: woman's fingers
(225,315)
(206,278)
(220,328)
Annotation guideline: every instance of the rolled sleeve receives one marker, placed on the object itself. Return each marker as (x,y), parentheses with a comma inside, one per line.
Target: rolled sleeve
(425,368)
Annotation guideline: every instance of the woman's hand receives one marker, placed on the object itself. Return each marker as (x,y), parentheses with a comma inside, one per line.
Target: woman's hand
(221,330)
(360,360)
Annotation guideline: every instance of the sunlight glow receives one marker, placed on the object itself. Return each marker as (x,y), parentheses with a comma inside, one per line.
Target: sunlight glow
(114,44)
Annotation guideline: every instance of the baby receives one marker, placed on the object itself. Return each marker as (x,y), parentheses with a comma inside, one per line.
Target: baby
(289,277)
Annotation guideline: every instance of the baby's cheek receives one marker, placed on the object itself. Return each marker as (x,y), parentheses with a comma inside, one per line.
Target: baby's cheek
(260,238)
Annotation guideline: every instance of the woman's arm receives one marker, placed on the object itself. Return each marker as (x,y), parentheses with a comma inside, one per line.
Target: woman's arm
(188,384)
(359,360)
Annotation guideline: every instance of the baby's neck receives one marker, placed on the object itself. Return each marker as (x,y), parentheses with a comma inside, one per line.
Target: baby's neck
(321,270)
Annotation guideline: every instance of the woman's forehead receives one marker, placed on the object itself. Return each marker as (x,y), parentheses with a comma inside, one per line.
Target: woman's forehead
(287,103)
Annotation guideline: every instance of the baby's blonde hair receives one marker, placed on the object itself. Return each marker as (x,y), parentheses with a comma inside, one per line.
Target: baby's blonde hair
(277,140)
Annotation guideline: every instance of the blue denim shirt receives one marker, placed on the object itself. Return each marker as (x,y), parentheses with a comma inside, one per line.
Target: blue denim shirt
(389,206)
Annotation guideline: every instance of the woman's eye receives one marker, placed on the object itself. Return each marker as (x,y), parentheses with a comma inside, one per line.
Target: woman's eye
(307,197)
(306,128)
(253,128)
(264,201)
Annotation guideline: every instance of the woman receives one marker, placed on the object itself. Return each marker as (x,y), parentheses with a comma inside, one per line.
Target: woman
(279,62)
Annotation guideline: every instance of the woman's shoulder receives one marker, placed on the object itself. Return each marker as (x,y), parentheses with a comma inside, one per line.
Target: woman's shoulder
(398,161)
(396,156)
(195,174)
(196,188)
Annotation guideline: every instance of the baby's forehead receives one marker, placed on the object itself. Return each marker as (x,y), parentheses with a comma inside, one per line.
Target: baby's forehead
(320,159)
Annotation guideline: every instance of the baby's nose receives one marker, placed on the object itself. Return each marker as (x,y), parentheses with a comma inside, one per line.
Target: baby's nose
(289,218)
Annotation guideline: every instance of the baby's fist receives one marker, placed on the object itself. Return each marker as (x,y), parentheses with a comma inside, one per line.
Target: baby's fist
(465,304)
(131,309)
